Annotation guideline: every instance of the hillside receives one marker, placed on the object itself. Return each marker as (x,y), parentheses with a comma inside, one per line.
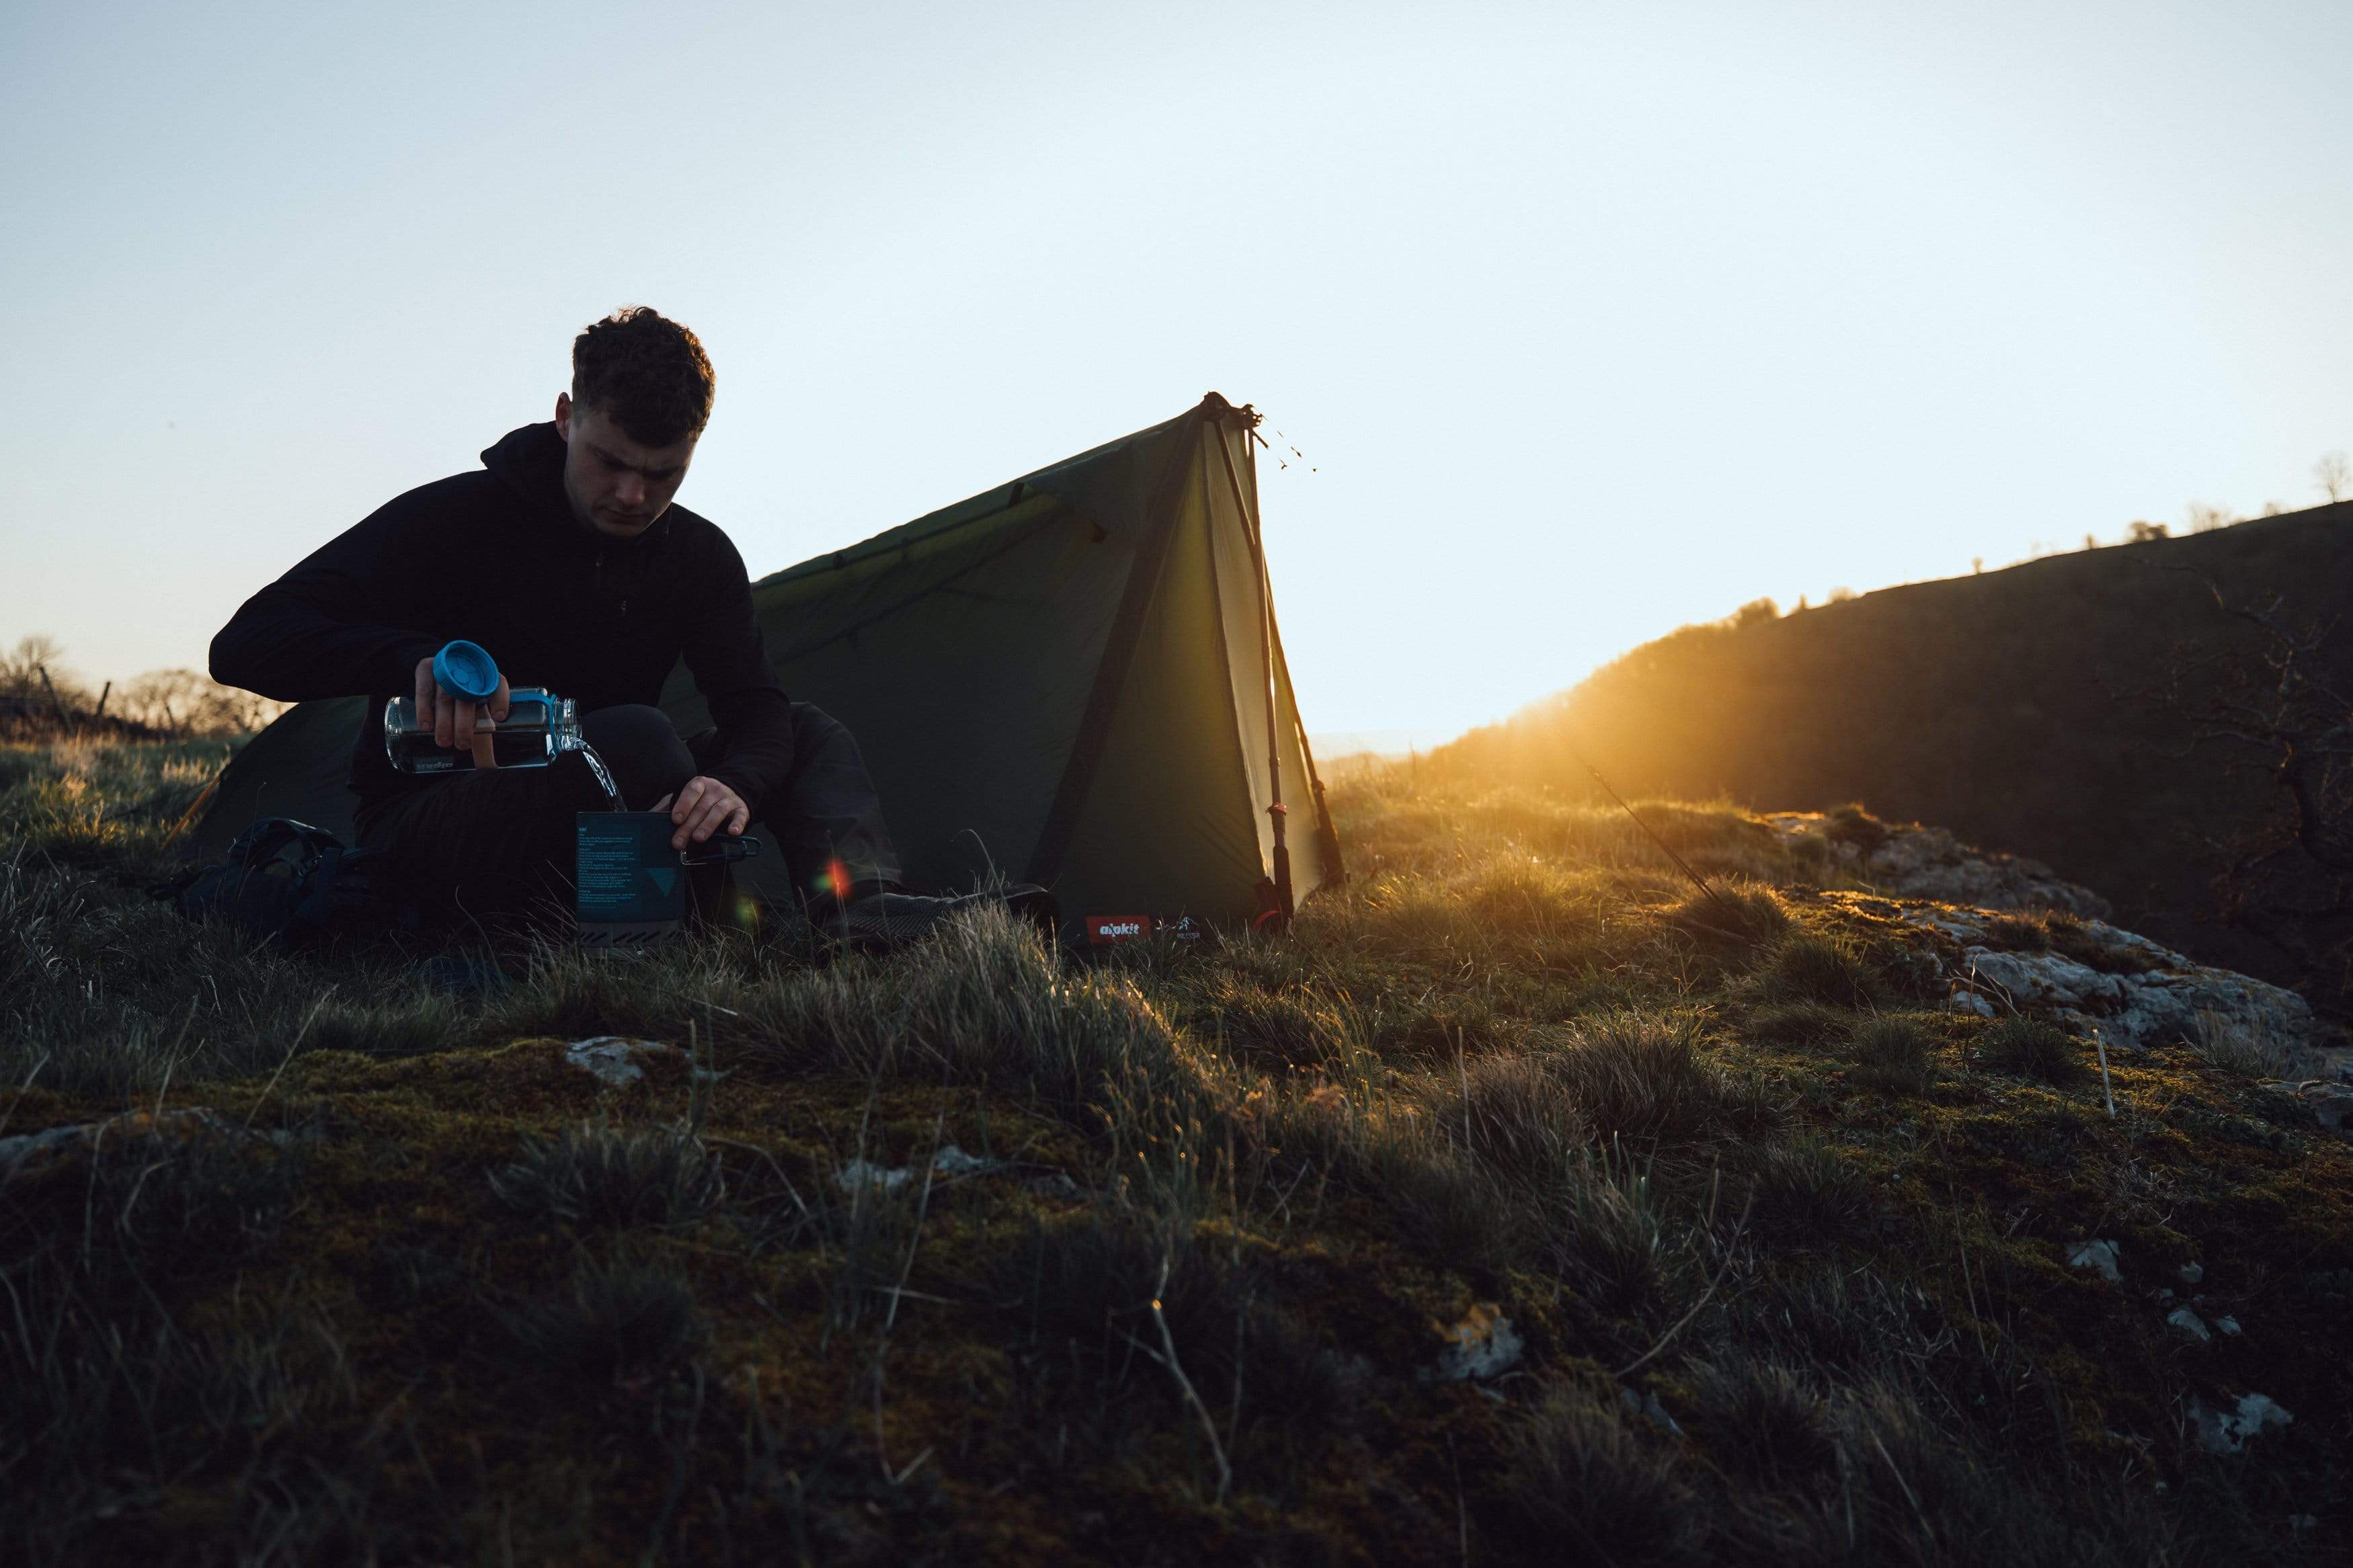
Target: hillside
(1523,1206)
(2024,709)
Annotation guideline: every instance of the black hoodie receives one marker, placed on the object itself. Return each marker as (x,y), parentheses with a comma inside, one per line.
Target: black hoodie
(498,558)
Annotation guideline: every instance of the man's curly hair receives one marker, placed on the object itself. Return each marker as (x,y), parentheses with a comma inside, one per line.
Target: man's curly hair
(646,371)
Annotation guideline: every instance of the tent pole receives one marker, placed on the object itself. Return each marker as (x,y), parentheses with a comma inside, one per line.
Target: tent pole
(1331,869)
(1327,837)
(1276,809)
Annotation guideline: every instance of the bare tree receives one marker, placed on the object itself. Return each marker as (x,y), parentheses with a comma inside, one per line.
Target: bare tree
(2204,517)
(34,671)
(21,666)
(2334,475)
(2278,705)
(183,702)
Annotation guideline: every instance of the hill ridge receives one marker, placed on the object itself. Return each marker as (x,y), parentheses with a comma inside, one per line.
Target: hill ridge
(2025,709)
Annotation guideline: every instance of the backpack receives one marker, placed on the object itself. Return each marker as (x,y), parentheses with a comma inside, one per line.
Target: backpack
(295,885)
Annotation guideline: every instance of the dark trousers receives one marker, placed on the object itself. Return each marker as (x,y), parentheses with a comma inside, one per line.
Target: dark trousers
(499,845)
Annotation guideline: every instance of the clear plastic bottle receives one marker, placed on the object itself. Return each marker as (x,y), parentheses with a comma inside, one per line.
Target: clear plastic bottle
(540,727)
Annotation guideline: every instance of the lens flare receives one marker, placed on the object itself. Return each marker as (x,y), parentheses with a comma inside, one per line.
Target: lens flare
(834,879)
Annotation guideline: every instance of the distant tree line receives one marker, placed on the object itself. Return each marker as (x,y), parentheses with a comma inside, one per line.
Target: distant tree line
(2332,476)
(39,694)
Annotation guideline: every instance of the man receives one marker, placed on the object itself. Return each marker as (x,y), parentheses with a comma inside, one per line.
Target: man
(565,558)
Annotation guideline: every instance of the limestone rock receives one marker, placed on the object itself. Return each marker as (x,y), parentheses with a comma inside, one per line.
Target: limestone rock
(2140,994)
(1482,1344)
(2190,1324)
(1916,862)
(2100,1257)
(29,1154)
(608,1056)
(952,1161)
(2332,1103)
(1646,1405)
(858,1173)
(2227,1431)
(2132,992)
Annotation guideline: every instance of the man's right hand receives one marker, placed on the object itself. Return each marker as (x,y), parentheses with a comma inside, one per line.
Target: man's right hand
(454,718)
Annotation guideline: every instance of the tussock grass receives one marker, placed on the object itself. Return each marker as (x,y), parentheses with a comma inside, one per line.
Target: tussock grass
(1285,1030)
(2057,931)
(1760,1416)
(1851,825)
(1803,1192)
(1580,1476)
(1617,1237)
(1083,1290)
(2243,1049)
(2030,1047)
(597,1175)
(623,1319)
(99,1376)
(1518,1076)
(1535,915)
(991,1004)
(2017,931)
(1514,1112)
(1893,1054)
(1809,1026)
(1746,913)
(1809,966)
(1651,1080)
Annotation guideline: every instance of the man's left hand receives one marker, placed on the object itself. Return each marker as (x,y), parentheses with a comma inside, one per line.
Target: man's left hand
(703,808)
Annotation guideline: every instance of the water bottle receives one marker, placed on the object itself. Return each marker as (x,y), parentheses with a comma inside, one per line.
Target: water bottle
(539,727)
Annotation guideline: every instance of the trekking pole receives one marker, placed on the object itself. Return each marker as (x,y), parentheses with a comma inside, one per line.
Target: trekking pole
(1680,864)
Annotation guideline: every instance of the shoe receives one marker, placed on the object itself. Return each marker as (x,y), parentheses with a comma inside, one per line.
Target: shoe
(879,917)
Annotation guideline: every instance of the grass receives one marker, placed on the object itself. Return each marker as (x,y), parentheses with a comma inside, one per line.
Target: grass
(2032,1047)
(1893,1053)
(597,1175)
(1585,1480)
(1781,1243)
(1811,966)
(616,1321)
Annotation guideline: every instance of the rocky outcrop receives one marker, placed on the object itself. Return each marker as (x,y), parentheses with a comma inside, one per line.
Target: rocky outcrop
(1915,862)
(28,1154)
(2226,1430)
(2128,991)
(611,1058)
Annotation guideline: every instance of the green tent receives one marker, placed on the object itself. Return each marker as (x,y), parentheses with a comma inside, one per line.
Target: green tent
(1075,679)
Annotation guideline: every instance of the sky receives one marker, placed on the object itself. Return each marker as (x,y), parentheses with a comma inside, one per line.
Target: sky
(1589,321)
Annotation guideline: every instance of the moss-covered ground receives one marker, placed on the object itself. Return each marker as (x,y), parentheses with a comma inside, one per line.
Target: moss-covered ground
(1523,1204)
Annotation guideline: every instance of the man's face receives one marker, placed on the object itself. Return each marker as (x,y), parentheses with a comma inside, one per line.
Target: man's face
(616,484)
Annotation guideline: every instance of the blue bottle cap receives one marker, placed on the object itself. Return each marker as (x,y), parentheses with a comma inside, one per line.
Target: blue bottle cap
(466,669)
